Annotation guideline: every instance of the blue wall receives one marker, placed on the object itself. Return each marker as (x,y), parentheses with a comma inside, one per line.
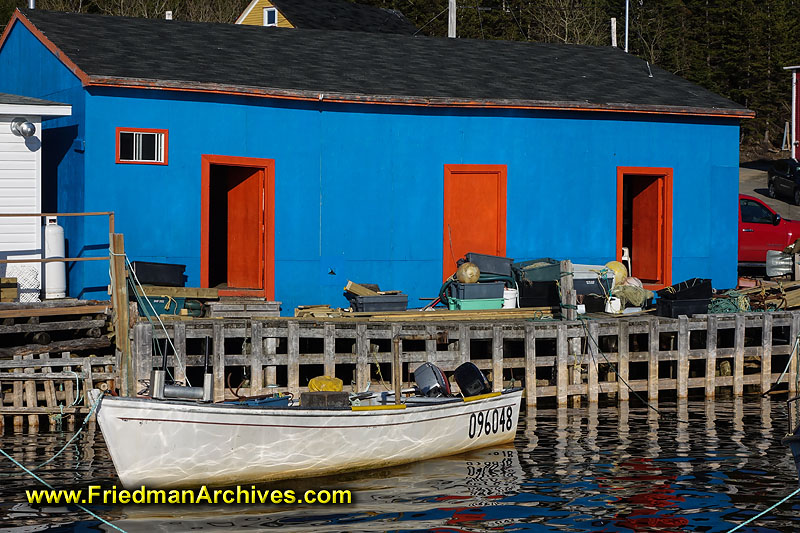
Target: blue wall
(28,68)
(561,185)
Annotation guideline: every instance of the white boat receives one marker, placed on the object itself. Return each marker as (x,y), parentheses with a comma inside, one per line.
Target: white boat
(166,444)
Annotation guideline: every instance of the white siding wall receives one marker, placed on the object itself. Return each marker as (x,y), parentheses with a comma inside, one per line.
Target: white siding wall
(20,192)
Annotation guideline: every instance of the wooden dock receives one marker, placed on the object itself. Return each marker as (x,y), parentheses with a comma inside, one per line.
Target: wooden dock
(51,353)
(589,359)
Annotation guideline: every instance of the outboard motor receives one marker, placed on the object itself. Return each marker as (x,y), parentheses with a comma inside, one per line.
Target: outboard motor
(431,381)
(471,380)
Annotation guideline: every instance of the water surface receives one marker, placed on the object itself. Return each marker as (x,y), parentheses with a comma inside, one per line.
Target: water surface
(708,467)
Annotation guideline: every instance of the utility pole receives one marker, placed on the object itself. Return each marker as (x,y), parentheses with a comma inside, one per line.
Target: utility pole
(451,19)
(627,7)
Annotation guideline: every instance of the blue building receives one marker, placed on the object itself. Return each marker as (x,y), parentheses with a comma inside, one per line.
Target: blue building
(283,162)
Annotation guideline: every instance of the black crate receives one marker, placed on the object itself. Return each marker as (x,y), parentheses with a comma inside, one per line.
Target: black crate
(691,289)
(165,274)
(539,294)
(477,291)
(676,308)
(491,264)
(376,304)
(594,303)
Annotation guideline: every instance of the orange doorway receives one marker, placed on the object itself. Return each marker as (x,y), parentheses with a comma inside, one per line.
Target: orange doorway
(644,223)
(474,212)
(237,235)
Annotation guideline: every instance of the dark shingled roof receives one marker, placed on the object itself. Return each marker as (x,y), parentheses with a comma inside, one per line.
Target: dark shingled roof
(15,99)
(343,15)
(367,67)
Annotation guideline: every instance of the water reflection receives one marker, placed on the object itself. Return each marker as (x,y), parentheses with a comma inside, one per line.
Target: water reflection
(702,466)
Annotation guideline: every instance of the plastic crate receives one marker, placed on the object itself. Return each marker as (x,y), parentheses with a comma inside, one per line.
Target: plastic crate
(376,304)
(676,308)
(691,289)
(491,264)
(538,294)
(474,305)
(544,269)
(163,305)
(474,291)
(165,274)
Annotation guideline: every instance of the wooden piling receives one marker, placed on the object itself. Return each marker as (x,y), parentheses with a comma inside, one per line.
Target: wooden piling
(623,361)
(738,356)
(711,357)
(683,357)
(530,365)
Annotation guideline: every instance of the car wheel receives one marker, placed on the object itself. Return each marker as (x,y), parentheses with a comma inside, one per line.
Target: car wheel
(797,196)
(771,190)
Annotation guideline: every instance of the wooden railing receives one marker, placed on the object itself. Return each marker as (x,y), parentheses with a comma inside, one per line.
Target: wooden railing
(614,357)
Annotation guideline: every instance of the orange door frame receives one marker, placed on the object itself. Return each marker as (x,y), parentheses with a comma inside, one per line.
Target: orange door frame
(268,231)
(450,171)
(666,210)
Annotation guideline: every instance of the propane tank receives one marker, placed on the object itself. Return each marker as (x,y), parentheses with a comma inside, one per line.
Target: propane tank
(55,273)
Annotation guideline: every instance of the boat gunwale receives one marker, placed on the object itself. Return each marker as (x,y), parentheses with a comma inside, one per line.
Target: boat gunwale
(225,409)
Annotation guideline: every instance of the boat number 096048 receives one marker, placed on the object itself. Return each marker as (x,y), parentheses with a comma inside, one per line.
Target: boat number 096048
(490,421)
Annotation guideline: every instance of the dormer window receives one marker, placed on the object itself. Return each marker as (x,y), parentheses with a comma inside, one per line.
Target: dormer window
(270,16)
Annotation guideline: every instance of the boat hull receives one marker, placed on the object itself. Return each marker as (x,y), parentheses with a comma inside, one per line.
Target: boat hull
(172,444)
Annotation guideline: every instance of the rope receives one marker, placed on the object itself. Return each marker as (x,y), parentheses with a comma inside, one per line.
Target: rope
(75,436)
(623,380)
(759,515)
(46,484)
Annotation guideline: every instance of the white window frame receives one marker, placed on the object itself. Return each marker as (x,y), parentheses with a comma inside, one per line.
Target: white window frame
(138,136)
(267,11)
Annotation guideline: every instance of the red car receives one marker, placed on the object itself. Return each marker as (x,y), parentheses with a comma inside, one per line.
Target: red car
(762,229)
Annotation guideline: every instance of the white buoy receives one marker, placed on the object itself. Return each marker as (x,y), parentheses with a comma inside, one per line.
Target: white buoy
(55,273)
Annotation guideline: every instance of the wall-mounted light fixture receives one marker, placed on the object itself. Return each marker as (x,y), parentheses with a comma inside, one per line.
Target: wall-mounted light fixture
(23,128)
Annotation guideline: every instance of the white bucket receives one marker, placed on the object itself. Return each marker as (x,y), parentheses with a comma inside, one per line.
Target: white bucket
(509,298)
(613,305)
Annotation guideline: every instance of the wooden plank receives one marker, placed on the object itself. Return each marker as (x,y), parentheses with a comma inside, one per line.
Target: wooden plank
(66,325)
(54,361)
(430,344)
(738,355)
(362,358)
(293,352)
(179,340)
(567,286)
(181,292)
(69,389)
(18,397)
(54,311)
(143,361)
(562,350)
(711,357)
(39,376)
(30,397)
(88,380)
(497,358)
(463,343)
(623,361)
(358,290)
(652,361)
(329,347)
(86,343)
(256,358)
(50,394)
(591,344)
(683,357)
(219,362)
(794,367)
(530,365)
(766,351)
